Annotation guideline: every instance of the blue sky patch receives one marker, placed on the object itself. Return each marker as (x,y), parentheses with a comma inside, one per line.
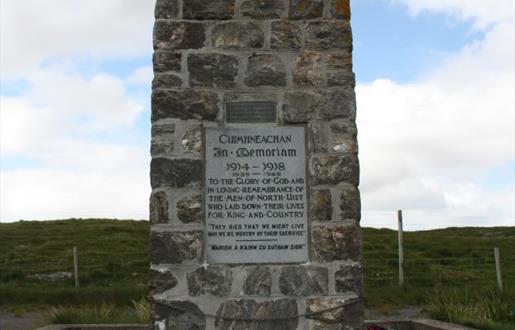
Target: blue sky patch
(390,43)
(19,162)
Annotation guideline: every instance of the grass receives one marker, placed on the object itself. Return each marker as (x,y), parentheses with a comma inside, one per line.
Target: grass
(113,261)
(450,258)
(42,293)
(480,308)
(114,265)
(142,309)
(103,313)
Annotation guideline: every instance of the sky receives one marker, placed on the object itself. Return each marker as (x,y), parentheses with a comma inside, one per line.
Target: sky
(435,93)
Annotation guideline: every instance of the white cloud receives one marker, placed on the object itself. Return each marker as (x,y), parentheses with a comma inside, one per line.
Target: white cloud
(34,31)
(65,119)
(58,121)
(80,179)
(25,128)
(57,104)
(425,145)
(483,13)
(102,97)
(141,76)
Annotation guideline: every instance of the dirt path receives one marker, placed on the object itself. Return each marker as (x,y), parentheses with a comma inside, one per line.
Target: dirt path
(27,321)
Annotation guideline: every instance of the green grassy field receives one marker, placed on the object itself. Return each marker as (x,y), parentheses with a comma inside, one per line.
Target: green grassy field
(440,266)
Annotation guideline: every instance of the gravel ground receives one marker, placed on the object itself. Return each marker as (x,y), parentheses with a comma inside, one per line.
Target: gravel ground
(407,313)
(27,321)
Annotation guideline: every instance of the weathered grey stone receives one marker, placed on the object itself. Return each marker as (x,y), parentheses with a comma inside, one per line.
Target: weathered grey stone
(339,9)
(262,8)
(343,128)
(303,281)
(175,173)
(350,205)
(306,8)
(281,314)
(161,281)
(166,80)
(307,70)
(253,96)
(344,144)
(192,140)
(285,35)
(179,35)
(338,103)
(320,205)
(328,310)
(184,104)
(341,78)
(162,139)
(158,207)
(333,34)
(189,208)
(265,70)
(258,281)
(349,278)
(214,280)
(333,243)
(326,105)
(334,169)
(331,311)
(318,136)
(213,70)
(176,315)
(161,146)
(339,61)
(166,9)
(317,325)
(208,9)
(163,129)
(175,247)
(237,35)
(342,136)
(165,61)
(301,106)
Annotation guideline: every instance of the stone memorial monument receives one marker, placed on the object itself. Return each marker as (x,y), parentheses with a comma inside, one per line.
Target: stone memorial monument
(254,209)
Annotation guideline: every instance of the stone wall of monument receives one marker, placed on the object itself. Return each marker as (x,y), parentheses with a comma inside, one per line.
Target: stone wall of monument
(298,54)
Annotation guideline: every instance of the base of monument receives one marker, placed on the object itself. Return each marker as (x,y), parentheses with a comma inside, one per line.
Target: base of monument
(416,324)
(97,327)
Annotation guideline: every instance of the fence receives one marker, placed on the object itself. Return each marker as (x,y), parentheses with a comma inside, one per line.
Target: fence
(421,272)
(455,257)
(429,272)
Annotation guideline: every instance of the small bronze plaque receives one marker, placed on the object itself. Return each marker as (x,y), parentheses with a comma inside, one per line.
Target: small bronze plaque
(251,112)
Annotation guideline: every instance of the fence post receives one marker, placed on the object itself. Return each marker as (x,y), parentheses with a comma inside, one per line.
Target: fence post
(401,250)
(497,256)
(76,266)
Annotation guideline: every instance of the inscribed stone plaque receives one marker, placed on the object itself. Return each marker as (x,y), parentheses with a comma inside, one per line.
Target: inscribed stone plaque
(250,112)
(255,195)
